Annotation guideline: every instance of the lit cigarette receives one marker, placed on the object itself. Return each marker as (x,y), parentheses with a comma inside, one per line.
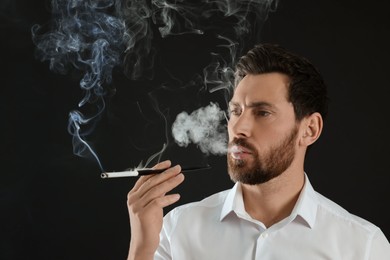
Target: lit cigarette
(146,171)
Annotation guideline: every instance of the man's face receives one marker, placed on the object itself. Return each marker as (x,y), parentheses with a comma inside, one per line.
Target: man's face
(262,129)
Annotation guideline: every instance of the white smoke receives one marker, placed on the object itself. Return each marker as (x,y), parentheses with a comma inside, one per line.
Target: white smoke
(202,127)
(95,36)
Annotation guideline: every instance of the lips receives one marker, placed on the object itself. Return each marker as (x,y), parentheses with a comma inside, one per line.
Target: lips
(239,152)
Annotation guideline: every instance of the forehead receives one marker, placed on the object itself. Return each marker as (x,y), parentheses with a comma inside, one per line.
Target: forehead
(267,87)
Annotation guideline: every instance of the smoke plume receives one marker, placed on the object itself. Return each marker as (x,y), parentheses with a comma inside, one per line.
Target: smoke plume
(95,36)
(202,127)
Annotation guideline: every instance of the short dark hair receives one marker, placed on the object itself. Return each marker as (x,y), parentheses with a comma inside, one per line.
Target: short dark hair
(307,90)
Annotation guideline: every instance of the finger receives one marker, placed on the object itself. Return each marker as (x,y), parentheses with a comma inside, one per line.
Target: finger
(143,179)
(160,190)
(134,197)
(158,179)
(162,165)
(156,195)
(165,201)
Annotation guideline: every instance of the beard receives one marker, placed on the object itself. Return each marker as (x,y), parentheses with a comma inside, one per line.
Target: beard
(265,167)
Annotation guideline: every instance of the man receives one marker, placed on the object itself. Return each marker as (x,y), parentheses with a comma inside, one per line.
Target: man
(272,212)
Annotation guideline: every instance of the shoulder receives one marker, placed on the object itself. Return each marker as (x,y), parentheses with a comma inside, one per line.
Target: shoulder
(342,227)
(339,217)
(330,217)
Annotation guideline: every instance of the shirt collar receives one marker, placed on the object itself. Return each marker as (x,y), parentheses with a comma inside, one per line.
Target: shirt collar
(233,201)
(306,206)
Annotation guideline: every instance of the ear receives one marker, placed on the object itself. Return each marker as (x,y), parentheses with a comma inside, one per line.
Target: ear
(311,129)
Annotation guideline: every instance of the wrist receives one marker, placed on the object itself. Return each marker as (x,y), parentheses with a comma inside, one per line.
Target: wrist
(140,253)
(140,256)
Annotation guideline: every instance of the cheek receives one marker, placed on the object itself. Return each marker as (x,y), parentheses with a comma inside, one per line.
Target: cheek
(266,138)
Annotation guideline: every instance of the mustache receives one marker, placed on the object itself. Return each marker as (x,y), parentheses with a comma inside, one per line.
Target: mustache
(242,142)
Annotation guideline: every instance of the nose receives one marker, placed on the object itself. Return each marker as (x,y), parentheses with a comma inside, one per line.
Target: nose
(241,126)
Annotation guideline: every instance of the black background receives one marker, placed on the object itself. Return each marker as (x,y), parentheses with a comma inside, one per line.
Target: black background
(54,204)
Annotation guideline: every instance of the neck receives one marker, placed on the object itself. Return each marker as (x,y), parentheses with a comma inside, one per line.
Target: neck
(274,200)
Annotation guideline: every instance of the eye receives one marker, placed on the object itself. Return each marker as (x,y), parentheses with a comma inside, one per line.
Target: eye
(262,113)
(234,111)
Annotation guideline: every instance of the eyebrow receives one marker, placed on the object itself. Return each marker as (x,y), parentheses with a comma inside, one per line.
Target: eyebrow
(253,104)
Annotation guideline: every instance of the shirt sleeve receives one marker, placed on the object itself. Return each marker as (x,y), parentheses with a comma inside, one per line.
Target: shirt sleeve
(380,247)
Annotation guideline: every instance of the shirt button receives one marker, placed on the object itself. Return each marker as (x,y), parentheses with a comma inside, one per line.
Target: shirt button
(264,235)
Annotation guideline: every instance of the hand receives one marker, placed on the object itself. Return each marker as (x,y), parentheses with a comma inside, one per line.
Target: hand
(145,203)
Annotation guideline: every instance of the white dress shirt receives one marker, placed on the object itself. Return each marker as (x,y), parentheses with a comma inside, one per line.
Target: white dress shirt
(218,227)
